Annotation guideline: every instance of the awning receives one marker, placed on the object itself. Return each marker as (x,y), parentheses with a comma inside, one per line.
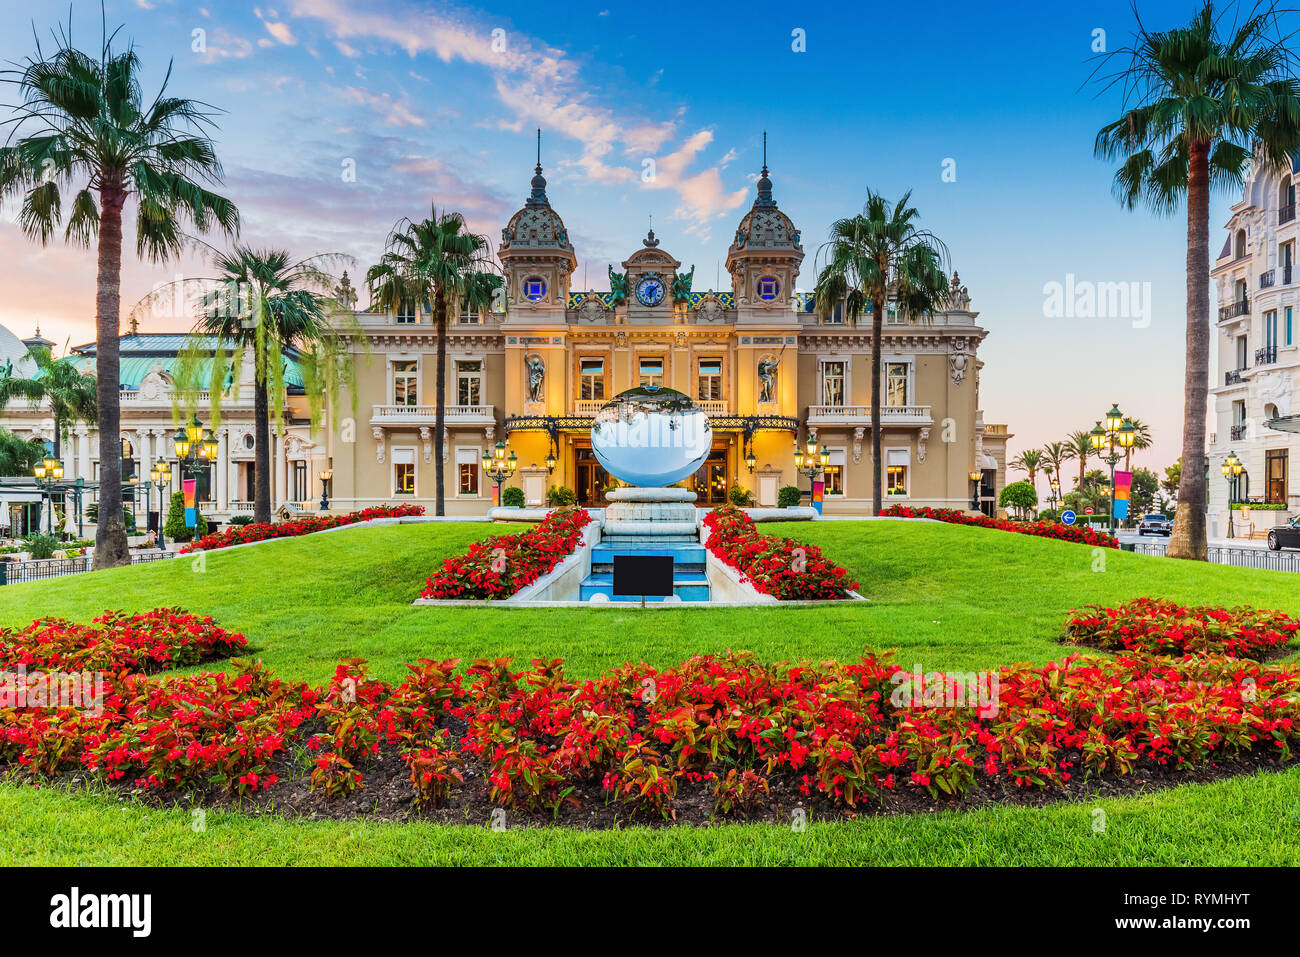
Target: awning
(988,462)
(1284,423)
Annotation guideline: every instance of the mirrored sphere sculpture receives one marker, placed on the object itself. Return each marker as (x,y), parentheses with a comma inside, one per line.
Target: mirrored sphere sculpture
(651,436)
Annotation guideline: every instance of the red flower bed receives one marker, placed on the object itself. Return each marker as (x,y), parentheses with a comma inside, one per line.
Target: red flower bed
(788,569)
(503,564)
(730,727)
(117,642)
(261,531)
(1168,628)
(1057,530)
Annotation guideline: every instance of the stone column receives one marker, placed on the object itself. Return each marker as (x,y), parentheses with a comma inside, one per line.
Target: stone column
(281,474)
(83,453)
(222,467)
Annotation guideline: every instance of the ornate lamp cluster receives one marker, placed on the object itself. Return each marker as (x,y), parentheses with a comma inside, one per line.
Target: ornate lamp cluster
(1232,469)
(195,446)
(1109,441)
(498,466)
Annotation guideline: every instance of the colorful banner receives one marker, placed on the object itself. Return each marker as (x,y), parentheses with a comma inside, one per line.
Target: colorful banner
(1123,488)
(496,496)
(818,491)
(188,487)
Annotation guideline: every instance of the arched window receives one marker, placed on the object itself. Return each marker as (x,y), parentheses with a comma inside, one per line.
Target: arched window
(1239,247)
(1285,200)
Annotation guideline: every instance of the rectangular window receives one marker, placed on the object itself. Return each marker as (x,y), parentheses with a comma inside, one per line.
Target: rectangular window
(467,470)
(300,493)
(1242,361)
(896,383)
(1275,462)
(403,471)
(710,384)
(591,378)
(836,316)
(406,382)
(896,471)
(1289,339)
(833,383)
(405,314)
(651,372)
(834,472)
(469,383)
(1270,330)
(468,316)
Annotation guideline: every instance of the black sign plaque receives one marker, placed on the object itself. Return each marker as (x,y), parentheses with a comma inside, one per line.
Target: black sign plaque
(643,575)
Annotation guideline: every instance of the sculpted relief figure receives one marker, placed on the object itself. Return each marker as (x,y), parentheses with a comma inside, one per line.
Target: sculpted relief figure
(536,377)
(617,286)
(767,367)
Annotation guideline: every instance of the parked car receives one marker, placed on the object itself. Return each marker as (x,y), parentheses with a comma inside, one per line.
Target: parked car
(1285,536)
(1155,524)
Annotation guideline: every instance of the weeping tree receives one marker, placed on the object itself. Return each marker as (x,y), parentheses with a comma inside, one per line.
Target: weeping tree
(263,303)
(875,258)
(70,392)
(440,263)
(1198,103)
(82,127)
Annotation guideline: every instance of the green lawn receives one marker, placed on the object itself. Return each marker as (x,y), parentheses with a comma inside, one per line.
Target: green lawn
(949,598)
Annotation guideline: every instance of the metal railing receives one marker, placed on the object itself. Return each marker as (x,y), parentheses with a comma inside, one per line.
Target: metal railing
(1284,561)
(1238,432)
(1233,377)
(37,569)
(1267,279)
(1239,308)
(1265,355)
(1285,213)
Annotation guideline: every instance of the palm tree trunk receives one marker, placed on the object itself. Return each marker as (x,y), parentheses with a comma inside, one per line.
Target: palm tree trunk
(440,412)
(110,530)
(877,331)
(1188,537)
(262,466)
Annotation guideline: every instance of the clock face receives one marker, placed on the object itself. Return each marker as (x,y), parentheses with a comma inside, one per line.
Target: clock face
(650,291)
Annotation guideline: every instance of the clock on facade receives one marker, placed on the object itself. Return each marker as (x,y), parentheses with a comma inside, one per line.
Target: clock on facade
(650,291)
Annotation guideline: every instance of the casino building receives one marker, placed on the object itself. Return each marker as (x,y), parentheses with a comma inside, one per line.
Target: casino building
(765,366)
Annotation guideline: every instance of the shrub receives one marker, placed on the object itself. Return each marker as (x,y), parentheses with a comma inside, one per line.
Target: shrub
(512,497)
(240,534)
(241,520)
(740,496)
(41,545)
(503,564)
(789,496)
(561,496)
(1164,627)
(176,529)
(1064,533)
(1020,496)
(782,567)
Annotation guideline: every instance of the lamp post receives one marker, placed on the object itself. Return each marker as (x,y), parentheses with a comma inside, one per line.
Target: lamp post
(1109,441)
(498,467)
(1232,469)
(1055,485)
(48,472)
(196,448)
(160,476)
(808,461)
(324,491)
(974,476)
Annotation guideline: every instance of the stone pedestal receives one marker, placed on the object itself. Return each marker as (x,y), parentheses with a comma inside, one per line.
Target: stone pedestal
(651,512)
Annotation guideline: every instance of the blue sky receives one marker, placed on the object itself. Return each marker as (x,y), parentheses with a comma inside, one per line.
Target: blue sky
(428,109)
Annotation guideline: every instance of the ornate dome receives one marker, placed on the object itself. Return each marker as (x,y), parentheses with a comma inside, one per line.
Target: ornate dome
(536,226)
(14,350)
(765,226)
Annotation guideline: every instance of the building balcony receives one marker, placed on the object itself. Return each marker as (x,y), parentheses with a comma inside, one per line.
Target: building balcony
(394,416)
(1266,279)
(1238,432)
(1234,377)
(1286,214)
(1231,311)
(860,415)
(585,407)
(1266,355)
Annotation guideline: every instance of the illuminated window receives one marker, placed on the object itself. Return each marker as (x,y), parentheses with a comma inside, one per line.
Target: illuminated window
(710,384)
(651,373)
(406,382)
(467,471)
(405,313)
(896,383)
(591,378)
(768,288)
(534,288)
(403,471)
(896,462)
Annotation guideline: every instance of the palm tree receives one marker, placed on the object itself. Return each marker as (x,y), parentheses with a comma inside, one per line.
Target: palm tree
(266,302)
(19,456)
(1078,445)
(1030,460)
(69,391)
(874,258)
(436,261)
(1198,101)
(82,124)
(1055,454)
(1141,441)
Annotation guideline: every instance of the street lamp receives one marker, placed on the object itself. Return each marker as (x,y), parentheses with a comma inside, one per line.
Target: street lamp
(1055,485)
(324,492)
(498,466)
(974,476)
(1232,469)
(160,476)
(48,472)
(810,462)
(1108,442)
(195,447)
